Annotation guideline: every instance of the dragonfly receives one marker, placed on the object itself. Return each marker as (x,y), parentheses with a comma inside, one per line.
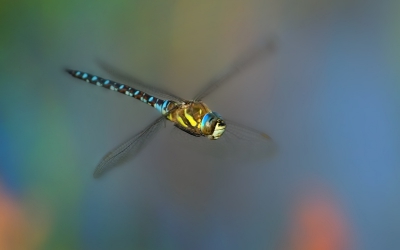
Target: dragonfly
(193,117)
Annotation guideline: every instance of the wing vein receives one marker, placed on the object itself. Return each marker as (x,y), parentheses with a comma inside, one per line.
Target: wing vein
(133,146)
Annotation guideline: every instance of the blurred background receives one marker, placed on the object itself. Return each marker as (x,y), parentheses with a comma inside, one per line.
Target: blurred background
(328,95)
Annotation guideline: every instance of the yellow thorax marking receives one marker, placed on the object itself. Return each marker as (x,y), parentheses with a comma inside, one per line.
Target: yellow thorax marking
(169,117)
(180,120)
(190,119)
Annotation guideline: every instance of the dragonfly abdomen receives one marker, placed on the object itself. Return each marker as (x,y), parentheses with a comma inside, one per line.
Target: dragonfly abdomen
(163,106)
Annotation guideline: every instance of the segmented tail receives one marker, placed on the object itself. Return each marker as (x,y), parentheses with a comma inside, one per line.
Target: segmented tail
(162,106)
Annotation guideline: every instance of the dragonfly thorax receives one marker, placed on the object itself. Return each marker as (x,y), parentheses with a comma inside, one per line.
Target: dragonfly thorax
(197,119)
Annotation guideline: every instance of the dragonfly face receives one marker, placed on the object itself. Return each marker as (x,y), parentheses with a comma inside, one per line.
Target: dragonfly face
(213,125)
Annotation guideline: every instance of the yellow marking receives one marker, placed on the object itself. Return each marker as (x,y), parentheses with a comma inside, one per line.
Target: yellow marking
(190,119)
(181,121)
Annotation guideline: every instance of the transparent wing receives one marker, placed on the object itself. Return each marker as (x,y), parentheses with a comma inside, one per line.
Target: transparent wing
(131,147)
(238,142)
(235,69)
(138,83)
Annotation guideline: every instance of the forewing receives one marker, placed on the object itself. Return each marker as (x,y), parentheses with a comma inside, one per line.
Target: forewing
(247,141)
(238,142)
(234,69)
(131,147)
(135,82)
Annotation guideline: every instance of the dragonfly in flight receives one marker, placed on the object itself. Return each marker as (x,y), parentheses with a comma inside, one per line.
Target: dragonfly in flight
(191,116)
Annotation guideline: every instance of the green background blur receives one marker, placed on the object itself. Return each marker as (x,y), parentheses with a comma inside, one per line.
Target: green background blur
(328,95)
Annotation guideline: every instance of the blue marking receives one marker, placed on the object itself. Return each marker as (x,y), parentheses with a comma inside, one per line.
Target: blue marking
(157,106)
(94,78)
(206,120)
(164,107)
(106,82)
(84,76)
(122,86)
(137,92)
(77,73)
(151,99)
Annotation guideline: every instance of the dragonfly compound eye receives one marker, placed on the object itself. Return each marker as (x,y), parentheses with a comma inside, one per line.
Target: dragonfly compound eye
(213,126)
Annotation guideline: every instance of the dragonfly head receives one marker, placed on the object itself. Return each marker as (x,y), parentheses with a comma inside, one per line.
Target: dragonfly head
(213,126)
